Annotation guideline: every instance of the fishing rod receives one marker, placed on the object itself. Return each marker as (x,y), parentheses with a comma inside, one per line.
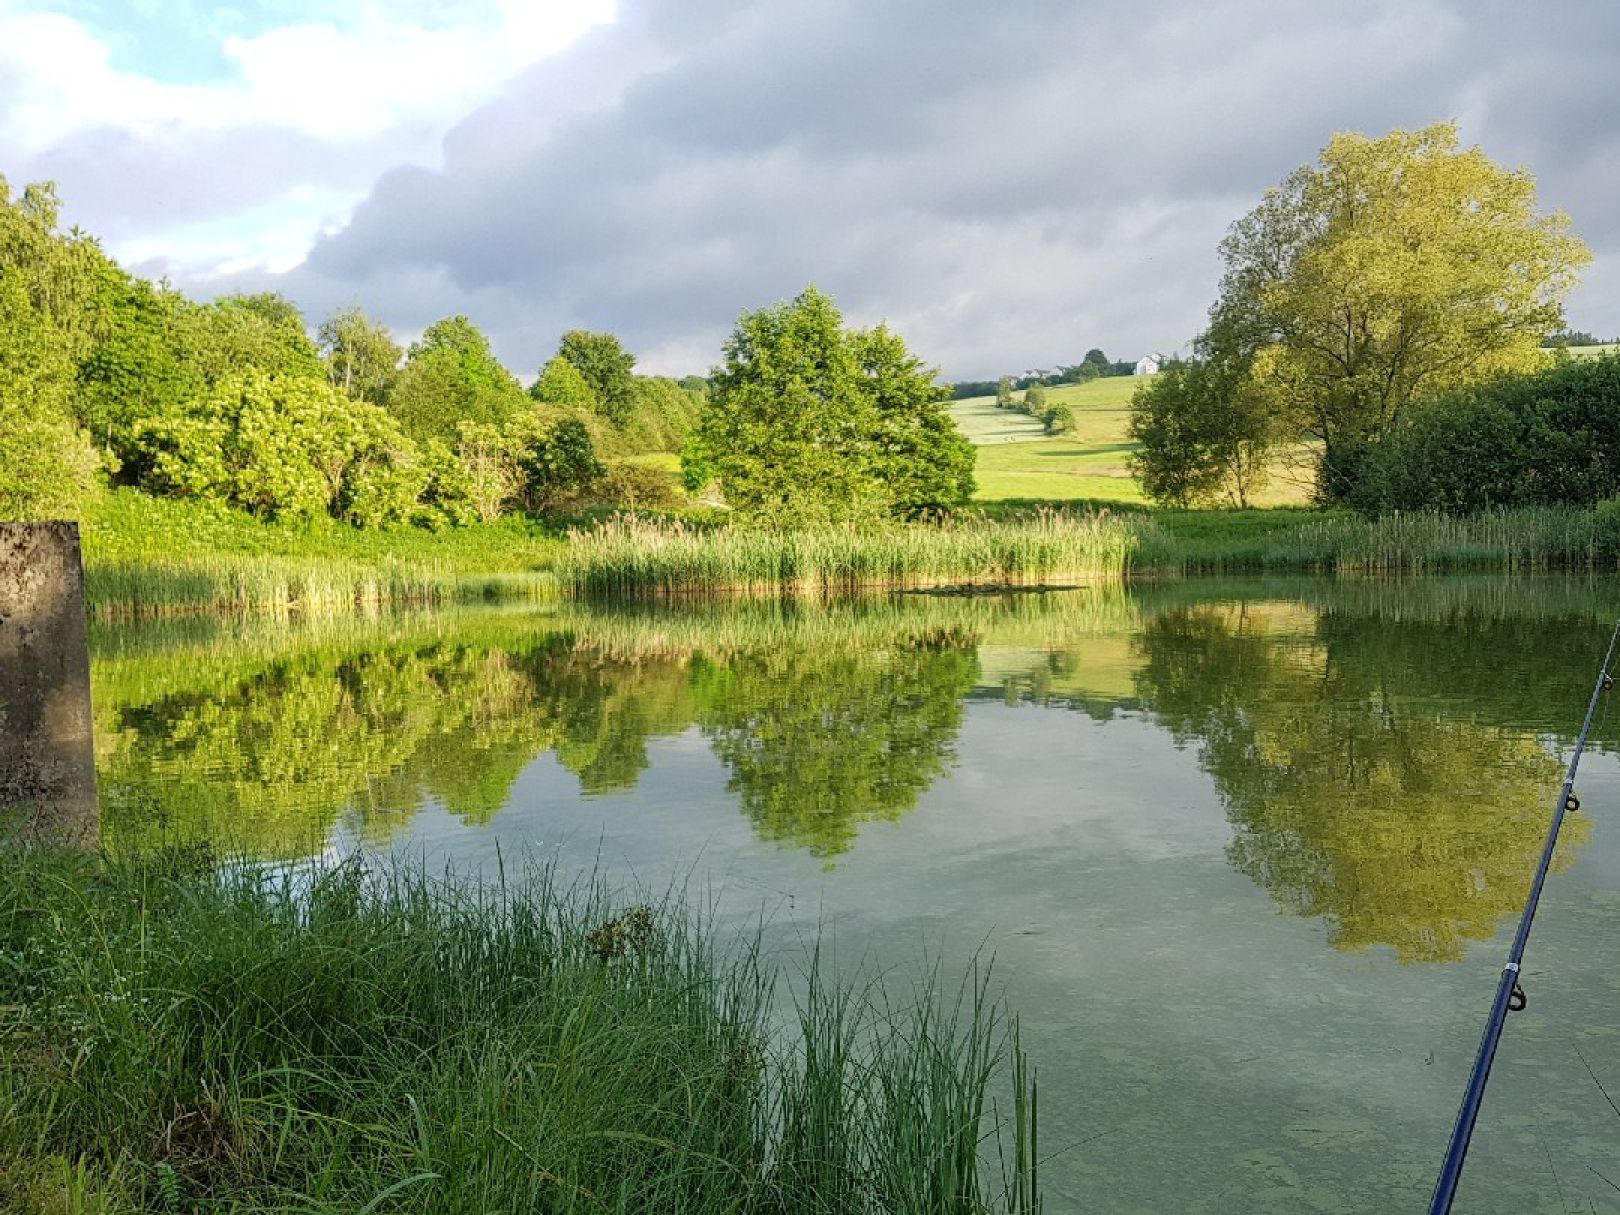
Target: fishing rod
(1510,996)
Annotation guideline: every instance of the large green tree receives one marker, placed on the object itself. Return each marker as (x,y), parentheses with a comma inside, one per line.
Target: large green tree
(1204,433)
(607,367)
(1390,270)
(47,280)
(809,420)
(451,376)
(361,356)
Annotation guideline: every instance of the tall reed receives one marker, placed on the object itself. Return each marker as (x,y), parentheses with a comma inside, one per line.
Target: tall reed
(287,586)
(630,555)
(183,1038)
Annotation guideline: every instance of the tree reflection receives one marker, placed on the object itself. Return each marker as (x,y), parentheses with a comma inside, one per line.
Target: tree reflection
(819,743)
(1398,818)
(266,757)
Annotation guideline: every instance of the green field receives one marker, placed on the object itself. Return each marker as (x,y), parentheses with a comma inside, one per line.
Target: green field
(1089,463)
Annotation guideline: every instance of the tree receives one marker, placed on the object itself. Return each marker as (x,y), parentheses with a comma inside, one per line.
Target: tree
(1034,402)
(1389,271)
(452,376)
(1004,392)
(560,383)
(1205,431)
(361,356)
(558,464)
(810,421)
(607,367)
(1058,418)
(924,460)
(1098,361)
(47,279)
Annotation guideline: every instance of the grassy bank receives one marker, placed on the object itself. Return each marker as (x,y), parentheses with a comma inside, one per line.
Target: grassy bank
(156,556)
(1049,548)
(176,1041)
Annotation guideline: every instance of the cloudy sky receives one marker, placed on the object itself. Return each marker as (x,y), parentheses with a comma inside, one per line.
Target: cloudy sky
(1007,184)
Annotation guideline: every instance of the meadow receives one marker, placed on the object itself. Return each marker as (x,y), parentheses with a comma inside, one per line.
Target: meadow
(1018,460)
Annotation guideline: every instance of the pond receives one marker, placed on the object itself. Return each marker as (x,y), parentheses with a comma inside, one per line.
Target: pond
(1247,854)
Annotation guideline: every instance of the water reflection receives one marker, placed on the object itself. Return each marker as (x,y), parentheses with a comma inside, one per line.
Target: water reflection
(1395,817)
(1383,752)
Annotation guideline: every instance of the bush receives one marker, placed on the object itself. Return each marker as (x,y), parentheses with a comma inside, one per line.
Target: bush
(1058,418)
(1548,438)
(1034,403)
(637,487)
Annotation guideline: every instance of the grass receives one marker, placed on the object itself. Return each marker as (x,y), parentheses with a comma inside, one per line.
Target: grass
(180,1038)
(152,556)
(1017,460)
(640,557)
(629,555)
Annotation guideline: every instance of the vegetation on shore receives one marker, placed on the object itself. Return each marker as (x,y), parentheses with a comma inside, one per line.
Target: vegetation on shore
(150,556)
(640,557)
(335,1040)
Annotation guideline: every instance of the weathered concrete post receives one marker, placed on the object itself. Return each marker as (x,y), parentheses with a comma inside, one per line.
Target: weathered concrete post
(47,757)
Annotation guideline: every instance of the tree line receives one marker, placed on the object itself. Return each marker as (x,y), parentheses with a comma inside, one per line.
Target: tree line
(1361,295)
(106,377)
(1095,365)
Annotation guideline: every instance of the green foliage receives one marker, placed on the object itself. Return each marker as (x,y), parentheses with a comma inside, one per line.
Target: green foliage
(361,357)
(810,421)
(452,376)
(239,334)
(607,367)
(1391,270)
(1205,432)
(1004,393)
(1059,418)
(1529,440)
(923,460)
(47,283)
(1034,402)
(561,384)
(557,464)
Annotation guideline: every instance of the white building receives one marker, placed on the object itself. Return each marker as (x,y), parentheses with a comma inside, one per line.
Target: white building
(1148,364)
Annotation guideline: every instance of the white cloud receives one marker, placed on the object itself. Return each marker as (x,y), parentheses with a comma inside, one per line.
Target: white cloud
(307,116)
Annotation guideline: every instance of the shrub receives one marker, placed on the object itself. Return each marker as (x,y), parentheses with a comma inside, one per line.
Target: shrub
(1552,437)
(1058,418)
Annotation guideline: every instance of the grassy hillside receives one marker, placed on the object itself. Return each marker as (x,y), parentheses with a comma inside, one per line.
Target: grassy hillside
(1018,460)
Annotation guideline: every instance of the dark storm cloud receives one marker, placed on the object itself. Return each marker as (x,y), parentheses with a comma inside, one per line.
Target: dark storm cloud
(1007,184)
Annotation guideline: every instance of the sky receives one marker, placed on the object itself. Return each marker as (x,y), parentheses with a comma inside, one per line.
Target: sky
(1006,184)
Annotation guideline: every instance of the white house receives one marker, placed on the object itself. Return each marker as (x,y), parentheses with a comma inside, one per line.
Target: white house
(1148,364)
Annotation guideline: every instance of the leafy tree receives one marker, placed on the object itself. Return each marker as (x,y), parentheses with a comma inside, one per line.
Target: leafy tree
(1098,361)
(1205,432)
(557,464)
(1059,418)
(1390,270)
(488,479)
(560,383)
(811,421)
(925,462)
(239,334)
(606,366)
(361,356)
(47,279)
(1004,393)
(787,427)
(452,376)
(1034,402)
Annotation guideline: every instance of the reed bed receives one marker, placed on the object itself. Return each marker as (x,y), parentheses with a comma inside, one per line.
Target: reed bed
(291,586)
(184,1038)
(634,556)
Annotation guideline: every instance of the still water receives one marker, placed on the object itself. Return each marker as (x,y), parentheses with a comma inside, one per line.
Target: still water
(1247,855)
